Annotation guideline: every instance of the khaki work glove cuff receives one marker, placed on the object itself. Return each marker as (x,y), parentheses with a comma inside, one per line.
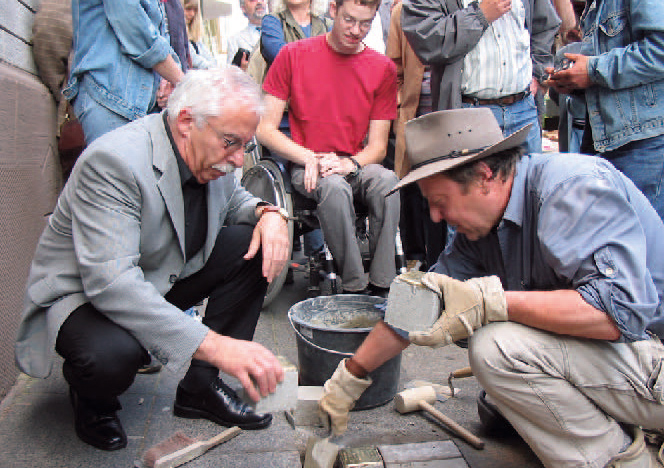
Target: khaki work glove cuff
(495,303)
(340,393)
(353,386)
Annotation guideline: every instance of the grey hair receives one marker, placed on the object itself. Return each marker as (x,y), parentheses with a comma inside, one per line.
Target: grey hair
(318,7)
(502,164)
(208,92)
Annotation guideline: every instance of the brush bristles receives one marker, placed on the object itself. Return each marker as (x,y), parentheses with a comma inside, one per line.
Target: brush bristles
(174,443)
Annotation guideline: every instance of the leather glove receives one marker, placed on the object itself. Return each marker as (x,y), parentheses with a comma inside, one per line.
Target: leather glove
(340,393)
(467,305)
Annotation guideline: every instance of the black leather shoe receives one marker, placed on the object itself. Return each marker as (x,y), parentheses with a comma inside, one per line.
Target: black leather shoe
(493,422)
(220,404)
(99,428)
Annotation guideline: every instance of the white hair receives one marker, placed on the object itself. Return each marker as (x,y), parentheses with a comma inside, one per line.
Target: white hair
(318,7)
(208,92)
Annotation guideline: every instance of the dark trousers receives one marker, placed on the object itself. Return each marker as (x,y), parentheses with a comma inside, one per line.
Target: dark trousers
(422,239)
(101,357)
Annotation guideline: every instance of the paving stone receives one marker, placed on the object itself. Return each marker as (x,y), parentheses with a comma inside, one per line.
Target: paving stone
(438,454)
(284,397)
(306,411)
(410,305)
(253,460)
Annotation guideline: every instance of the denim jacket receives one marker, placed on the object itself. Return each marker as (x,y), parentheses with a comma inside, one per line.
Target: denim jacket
(624,40)
(116,43)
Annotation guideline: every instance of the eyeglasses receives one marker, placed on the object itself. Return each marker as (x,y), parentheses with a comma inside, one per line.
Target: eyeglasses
(230,141)
(351,22)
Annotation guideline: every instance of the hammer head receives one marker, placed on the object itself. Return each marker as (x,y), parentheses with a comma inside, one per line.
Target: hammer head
(409,400)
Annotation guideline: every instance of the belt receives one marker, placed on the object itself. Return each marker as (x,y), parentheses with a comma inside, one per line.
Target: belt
(502,101)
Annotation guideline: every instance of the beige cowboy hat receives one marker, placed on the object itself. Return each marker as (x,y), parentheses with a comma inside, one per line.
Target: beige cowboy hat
(439,141)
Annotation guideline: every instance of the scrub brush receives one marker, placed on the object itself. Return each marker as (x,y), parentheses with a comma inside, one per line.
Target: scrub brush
(179,449)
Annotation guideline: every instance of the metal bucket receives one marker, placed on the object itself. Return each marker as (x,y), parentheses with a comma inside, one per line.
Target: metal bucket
(331,328)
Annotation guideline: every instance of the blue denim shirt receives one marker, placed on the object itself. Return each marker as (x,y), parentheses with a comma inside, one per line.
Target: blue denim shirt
(116,43)
(624,40)
(574,222)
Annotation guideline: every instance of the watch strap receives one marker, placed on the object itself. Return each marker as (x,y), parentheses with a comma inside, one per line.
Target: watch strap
(274,209)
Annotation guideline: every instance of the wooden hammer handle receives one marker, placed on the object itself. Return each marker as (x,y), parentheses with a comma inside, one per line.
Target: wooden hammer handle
(461,431)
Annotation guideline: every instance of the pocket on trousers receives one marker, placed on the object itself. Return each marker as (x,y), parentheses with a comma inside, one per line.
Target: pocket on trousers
(656,381)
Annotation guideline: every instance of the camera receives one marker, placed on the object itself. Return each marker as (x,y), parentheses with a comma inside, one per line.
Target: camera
(564,64)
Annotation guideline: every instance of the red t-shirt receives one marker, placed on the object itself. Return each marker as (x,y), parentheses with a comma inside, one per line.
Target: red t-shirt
(332,96)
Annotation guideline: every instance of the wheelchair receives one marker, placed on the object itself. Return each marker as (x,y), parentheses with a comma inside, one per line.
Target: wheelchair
(266,177)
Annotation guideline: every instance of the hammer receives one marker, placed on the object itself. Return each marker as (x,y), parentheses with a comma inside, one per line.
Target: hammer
(420,398)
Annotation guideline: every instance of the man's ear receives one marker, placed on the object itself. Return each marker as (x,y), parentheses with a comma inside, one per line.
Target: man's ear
(484,176)
(332,10)
(184,123)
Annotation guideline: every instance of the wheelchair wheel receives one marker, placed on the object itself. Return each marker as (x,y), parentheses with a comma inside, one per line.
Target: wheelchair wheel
(252,154)
(264,180)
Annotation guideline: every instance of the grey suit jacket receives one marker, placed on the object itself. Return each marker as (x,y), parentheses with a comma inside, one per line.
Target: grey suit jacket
(116,240)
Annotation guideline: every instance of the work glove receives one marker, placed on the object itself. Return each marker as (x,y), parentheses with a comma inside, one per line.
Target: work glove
(467,305)
(340,393)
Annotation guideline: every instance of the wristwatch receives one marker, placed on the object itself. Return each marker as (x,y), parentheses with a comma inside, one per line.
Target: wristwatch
(262,209)
(357,168)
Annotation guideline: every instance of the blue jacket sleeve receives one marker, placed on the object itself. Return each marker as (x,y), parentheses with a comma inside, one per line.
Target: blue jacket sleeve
(272,37)
(135,29)
(637,62)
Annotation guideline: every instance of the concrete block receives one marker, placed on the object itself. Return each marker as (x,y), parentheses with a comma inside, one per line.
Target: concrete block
(320,453)
(285,396)
(437,454)
(290,459)
(410,305)
(306,411)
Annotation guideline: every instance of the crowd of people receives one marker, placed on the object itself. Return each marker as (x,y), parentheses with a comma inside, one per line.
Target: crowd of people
(548,265)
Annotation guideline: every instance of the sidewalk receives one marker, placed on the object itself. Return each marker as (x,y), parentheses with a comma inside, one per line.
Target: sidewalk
(36,422)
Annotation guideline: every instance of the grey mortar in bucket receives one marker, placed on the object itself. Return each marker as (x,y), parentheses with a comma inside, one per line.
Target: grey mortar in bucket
(330,328)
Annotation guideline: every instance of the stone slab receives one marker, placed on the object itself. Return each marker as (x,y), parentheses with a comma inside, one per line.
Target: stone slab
(320,453)
(306,411)
(253,460)
(410,305)
(400,455)
(284,397)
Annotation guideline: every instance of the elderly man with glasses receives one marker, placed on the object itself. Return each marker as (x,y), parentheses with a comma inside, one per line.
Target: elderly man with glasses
(151,221)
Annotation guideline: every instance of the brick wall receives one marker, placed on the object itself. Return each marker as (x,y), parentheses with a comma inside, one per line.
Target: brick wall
(29,169)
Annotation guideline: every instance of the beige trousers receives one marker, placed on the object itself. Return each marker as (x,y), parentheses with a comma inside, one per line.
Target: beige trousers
(567,397)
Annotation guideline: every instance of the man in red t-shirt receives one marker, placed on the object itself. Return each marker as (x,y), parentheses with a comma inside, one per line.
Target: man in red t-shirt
(341,99)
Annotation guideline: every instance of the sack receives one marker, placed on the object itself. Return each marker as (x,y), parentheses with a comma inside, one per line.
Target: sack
(70,144)
(257,67)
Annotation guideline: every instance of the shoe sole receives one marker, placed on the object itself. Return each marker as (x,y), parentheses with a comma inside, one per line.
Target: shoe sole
(193,413)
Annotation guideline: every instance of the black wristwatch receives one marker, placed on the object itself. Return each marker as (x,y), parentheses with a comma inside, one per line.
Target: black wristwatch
(357,169)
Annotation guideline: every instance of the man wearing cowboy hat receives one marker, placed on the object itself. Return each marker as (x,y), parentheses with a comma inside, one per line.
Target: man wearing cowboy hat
(556,276)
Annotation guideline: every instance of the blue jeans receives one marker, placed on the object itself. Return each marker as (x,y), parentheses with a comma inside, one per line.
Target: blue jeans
(643,162)
(516,116)
(95,118)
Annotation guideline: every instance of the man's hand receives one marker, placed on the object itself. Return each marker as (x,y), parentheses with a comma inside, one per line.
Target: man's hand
(271,235)
(340,393)
(330,164)
(467,305)
(311,172)
(494,9)
(574,78)
(251,363)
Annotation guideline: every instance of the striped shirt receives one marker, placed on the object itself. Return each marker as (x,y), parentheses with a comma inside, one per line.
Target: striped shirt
(500,63)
